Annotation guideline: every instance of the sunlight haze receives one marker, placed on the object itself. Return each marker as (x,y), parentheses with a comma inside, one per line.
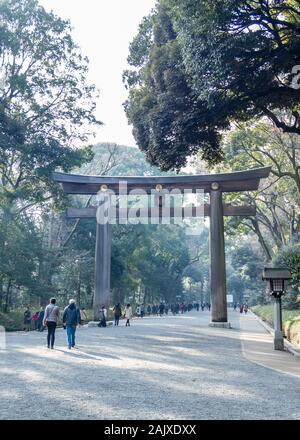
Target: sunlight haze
(104,29)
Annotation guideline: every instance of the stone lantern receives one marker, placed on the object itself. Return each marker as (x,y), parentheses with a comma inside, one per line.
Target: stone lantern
(277,279)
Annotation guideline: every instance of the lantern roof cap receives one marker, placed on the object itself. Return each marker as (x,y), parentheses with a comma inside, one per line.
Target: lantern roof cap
(276,273)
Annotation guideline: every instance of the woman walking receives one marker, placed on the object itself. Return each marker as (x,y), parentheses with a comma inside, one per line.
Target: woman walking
(50,320)
(128,314)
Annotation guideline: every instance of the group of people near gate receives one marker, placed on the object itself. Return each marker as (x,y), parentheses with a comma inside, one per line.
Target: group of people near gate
(243,308)
(174,308)
(72,316)
(159,309)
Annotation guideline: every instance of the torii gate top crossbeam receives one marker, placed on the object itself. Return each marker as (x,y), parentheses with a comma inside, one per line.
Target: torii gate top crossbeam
(227,182)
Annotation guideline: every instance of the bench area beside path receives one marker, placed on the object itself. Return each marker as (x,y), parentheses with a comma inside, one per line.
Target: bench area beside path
(158,368)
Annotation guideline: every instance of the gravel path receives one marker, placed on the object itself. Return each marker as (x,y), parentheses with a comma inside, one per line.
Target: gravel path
(159,368)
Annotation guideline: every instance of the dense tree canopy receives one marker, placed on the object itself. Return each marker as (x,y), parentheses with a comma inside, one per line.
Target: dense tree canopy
(199,65)
(46,105)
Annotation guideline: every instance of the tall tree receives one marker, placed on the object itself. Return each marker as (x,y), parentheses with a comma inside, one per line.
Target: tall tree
(169,121)
(46,104)
(198,65)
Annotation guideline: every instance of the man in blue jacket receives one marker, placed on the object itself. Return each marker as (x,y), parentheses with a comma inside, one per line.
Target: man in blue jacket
(71,318)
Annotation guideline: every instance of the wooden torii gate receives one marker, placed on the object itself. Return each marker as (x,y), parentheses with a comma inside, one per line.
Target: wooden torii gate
(214,184)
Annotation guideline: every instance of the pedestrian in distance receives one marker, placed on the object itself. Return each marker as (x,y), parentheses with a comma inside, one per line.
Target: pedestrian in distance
(138,311)
(128,315)
(35,318)
(102,317)
(149,310)
(41,319)
(234,307)
(245,308)
(27,319)
(117,313)
(71,318)
(83,316)
(241,308)
(142,310)
(50,321)
(161,309)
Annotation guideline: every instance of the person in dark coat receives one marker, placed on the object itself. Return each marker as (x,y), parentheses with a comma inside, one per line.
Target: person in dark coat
(102,316)
(71,318)
(117,312)
(41,319)
(27,319)
(161,309)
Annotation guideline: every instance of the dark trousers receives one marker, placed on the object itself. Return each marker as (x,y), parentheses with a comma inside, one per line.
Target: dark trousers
(127,323)
(51,333)
(117,319)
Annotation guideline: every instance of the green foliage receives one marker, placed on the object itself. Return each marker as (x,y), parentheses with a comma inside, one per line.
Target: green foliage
(169,121)
(46,105)
(199,65)
(266,313)
(289,257)
(239,56)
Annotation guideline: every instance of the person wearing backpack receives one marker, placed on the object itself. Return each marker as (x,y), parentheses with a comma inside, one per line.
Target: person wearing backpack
(50,321)
(71,318)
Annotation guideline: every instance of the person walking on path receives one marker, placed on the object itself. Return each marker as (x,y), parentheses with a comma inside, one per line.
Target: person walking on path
(27,319)
(83,316)
(117,312)
(241,308)
(50,320)
(102,317)
(246,308)
(161,309)
(138,311)
(35,319)
(41,319)
(128,315)
(71,318)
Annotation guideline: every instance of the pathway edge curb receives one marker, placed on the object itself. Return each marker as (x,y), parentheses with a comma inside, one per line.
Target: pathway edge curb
(287,344)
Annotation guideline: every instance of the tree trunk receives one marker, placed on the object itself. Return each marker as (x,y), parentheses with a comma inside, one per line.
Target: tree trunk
(7,296)
(261,239)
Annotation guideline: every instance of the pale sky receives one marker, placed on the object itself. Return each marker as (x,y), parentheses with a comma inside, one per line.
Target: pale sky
(104,29)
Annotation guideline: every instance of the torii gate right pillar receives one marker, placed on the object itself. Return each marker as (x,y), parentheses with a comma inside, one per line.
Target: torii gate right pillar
(217,258)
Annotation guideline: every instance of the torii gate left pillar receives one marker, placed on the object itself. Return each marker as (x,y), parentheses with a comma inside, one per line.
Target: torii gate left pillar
(217,259)
(102,267)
